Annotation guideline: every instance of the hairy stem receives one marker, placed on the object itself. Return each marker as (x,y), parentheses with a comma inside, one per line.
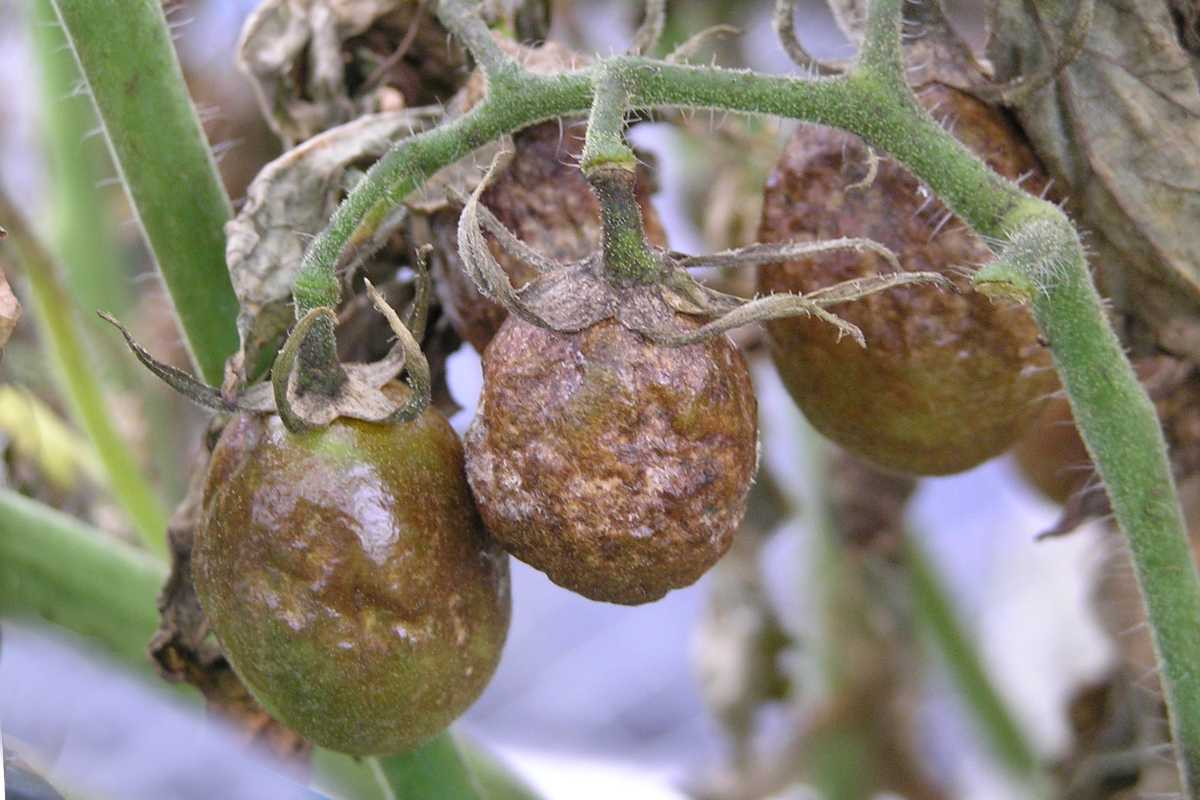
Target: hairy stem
(64,335)
(611,170)
(79,229)
(1123,435)
(1114,415)
(164,160)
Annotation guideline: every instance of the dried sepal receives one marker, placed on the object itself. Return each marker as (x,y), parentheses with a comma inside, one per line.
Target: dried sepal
(481,266)
(355,390)
(289,383)
(198,392)
(418,314)
(567,298)
(784,21)
(1019,89)
(770,253)
(416,367)
(654,20)
(780,306)
(511,243)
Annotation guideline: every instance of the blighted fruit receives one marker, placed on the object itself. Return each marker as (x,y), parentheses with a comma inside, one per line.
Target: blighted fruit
(948,379)
(618,467)
(348,578)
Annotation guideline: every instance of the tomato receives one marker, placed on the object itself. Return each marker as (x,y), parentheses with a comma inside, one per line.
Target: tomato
(348,578)
(618,467)
(947,379)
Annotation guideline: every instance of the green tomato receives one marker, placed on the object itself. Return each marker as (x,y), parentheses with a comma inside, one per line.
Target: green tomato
(349,579)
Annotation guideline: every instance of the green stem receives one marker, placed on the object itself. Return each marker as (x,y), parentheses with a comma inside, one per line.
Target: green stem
(611,170)
(64,336)
(935,611)
(1123,435)
(57,568)
(1114,415)
(604,143)
(164,160)
(79,230)
(436,769)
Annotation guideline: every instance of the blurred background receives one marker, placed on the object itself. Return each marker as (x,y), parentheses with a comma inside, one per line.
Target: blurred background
(709,692)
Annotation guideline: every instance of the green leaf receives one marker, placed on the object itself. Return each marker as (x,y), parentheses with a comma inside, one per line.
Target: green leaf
(164,159)
(59,569)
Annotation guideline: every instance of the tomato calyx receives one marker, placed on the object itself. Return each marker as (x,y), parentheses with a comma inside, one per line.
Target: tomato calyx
(570,297)
(309,387)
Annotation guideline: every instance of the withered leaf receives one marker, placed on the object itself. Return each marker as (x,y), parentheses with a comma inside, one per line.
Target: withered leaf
(289,202)
(1120,127)
(316,64)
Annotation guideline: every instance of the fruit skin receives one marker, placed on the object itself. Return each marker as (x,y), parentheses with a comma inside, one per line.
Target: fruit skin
(348,578)
(948,379)
(1052,456)
(545,200)
(617,467)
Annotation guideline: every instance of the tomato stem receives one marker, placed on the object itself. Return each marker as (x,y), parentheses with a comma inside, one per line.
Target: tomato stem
(873,101)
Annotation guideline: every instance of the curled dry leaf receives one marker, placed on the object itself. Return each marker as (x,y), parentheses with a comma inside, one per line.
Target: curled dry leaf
(291,200)
(316,64)
(1120,130)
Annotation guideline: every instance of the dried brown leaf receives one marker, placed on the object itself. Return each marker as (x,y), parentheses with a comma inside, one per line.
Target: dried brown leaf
(289,202)
(1120,128)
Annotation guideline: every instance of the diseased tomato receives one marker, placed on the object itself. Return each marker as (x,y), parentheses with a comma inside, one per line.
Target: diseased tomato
(618,467)
(947,380)
(348,578)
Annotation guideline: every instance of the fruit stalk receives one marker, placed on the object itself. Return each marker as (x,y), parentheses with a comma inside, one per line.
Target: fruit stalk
(161,152)
(873,101)
(611,169)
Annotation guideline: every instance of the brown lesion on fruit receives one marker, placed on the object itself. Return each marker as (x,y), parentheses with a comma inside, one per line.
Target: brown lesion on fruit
(184,649)
(590,461)
(949,378)
(339,600)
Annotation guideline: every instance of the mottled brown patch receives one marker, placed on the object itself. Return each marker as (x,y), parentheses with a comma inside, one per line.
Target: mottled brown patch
(617,467)
(948,380)
(544,199)
(349,580)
